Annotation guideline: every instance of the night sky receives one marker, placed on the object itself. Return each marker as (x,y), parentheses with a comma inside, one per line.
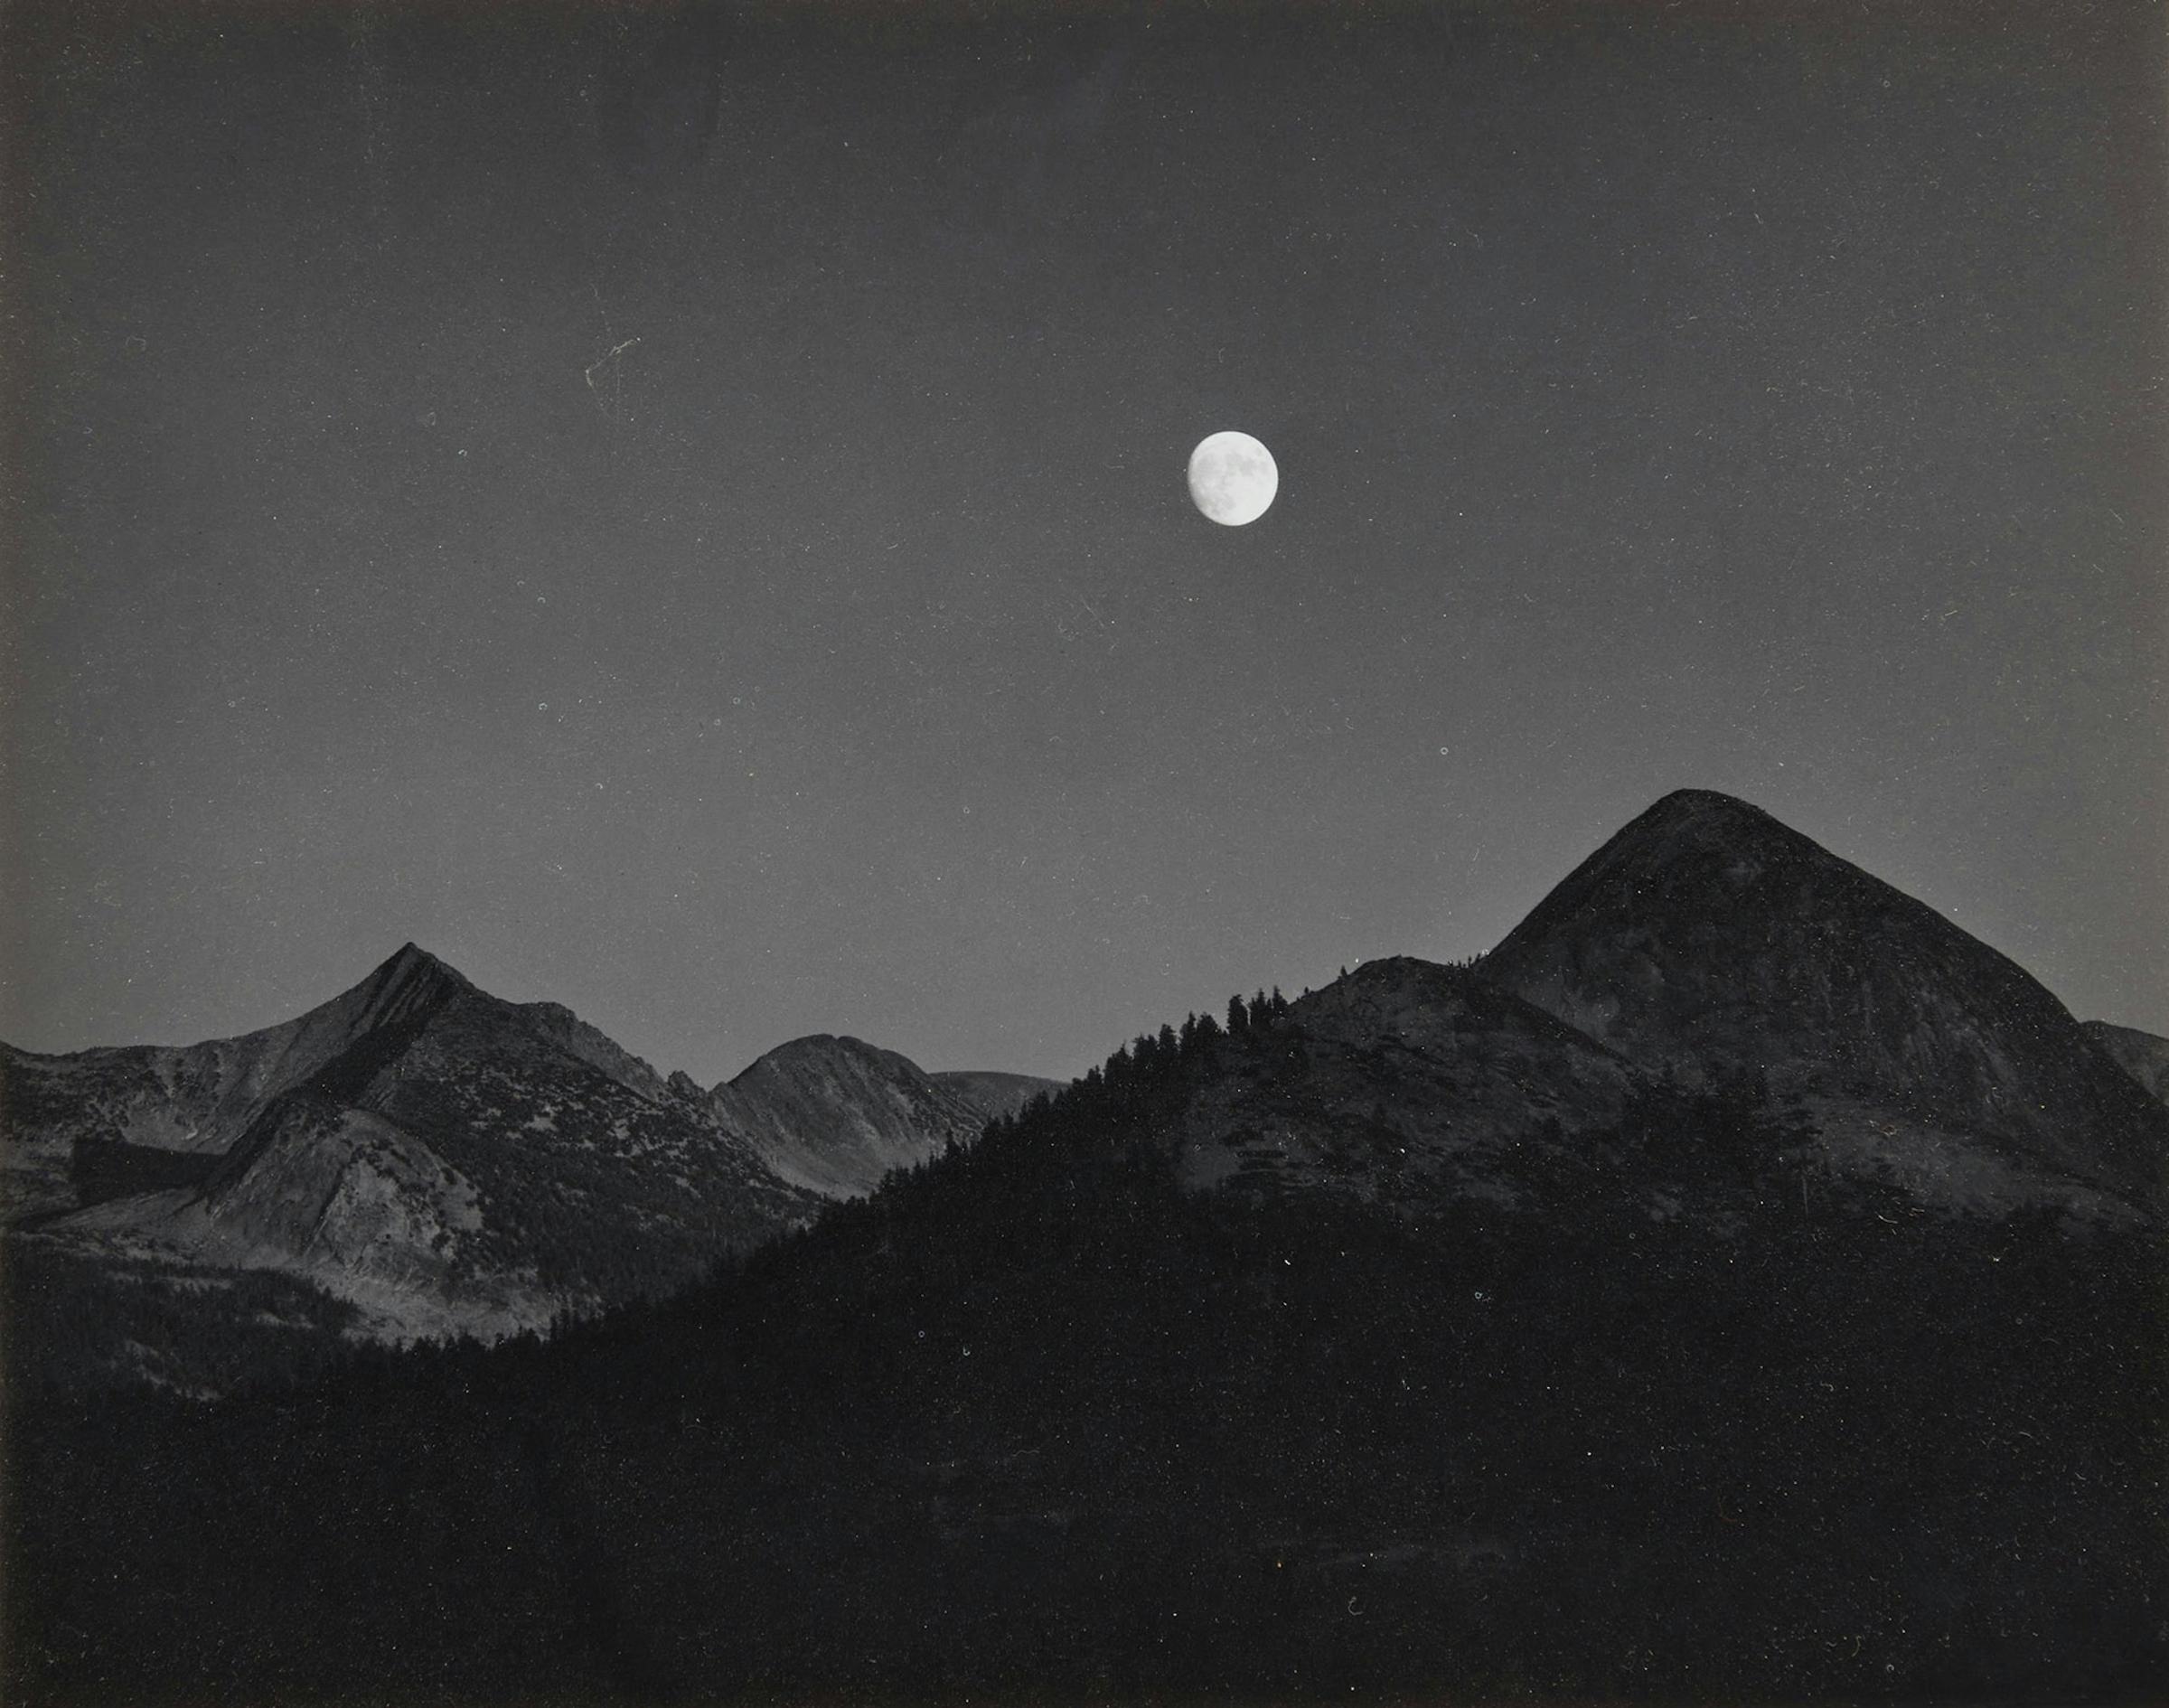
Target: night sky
(683,513)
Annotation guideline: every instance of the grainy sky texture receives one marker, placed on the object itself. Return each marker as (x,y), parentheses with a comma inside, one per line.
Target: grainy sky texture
(682,513)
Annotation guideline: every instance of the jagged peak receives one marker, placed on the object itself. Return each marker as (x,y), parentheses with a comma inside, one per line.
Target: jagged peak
(411,961)
(410,983)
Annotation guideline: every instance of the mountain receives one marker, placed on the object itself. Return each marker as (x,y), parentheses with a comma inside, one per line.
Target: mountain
(1706,939)
(832,1115)
(136,1109)
(1326,1354)
(2141,1054)
(432,1157)
(439,1159)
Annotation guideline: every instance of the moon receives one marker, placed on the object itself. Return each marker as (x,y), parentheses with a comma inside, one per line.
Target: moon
(1233,479)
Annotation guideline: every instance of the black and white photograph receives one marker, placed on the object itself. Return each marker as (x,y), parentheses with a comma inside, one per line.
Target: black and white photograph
(1214,853)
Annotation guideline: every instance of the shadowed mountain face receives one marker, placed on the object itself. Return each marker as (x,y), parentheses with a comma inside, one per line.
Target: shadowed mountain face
(440,1161)
(2141,1054)
(1706,938)
(1402,1078)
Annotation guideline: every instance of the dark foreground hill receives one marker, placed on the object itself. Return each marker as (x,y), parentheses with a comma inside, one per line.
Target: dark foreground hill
(1404,1341)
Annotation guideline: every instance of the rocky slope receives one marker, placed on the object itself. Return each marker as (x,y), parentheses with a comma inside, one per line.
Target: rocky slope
(437,1158)
(1706,938)
(192,1099)
(832,1115)
(441,1161)
(2141,1054)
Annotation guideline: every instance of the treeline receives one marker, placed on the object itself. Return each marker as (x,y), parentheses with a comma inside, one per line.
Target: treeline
(1030,1422)
(73,1329)
(1058,1429)
(1137,1075)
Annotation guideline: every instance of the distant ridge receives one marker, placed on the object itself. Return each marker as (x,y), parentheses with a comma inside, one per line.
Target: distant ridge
(833,1114)
(442,1160)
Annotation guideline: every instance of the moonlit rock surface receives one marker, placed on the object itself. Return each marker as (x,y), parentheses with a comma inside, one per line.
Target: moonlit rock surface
(1233,478)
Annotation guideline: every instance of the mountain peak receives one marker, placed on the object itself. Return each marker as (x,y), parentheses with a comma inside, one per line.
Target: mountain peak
(1703,817)
(1706,931)
(411,983)
(410,960)
(1707,811)
(1703,802)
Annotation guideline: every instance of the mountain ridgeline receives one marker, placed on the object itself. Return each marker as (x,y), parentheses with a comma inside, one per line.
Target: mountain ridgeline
(428,1161)
(1739,1285)
(1706,937)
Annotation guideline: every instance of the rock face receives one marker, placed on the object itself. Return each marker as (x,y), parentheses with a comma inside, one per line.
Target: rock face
(832,1115)
(439,1158)
(444,1162)
(1707,938)
(194,1100)
(2141,1054)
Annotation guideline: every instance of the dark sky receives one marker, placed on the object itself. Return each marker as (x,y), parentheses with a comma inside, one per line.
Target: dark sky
(681,514)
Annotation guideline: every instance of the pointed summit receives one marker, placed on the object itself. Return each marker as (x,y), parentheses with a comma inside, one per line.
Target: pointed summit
(1706,934)
(411,961)
(412,983)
